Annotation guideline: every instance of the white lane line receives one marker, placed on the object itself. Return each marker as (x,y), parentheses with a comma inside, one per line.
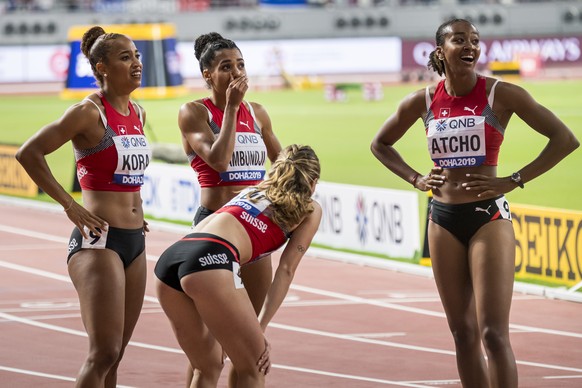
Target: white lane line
(80,333)
(45,375)
(352,377)
(30,233)
(179,351)
(563,377)
(313,291)
(356,299)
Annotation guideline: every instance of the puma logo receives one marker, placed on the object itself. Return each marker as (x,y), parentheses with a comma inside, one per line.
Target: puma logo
(245,124)
(480,209)
(471,110)
(137,128)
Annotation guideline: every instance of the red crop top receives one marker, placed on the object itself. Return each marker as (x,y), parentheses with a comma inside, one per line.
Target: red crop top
(247,165)
(463,131)
(118,162)
(265,235)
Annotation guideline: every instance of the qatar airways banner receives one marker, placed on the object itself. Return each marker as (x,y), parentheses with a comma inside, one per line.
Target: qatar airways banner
(552,51)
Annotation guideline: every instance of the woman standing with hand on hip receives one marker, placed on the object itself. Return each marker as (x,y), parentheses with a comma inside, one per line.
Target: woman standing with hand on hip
(106,260)
(471,238)
(227,141)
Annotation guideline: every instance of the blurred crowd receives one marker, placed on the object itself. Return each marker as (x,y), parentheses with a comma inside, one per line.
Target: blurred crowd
(199,5)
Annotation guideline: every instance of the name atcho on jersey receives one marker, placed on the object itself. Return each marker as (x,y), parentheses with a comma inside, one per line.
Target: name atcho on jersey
(457,141)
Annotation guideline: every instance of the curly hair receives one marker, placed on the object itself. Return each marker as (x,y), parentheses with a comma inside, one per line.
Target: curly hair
(434,62)
(96,45)
(206,46)
(290,183)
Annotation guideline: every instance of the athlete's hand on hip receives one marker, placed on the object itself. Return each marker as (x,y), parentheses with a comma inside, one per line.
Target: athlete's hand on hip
(485,185)
(433,180)
(81,217)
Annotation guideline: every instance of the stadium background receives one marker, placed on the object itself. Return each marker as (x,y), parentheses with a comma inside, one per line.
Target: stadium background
(540,40)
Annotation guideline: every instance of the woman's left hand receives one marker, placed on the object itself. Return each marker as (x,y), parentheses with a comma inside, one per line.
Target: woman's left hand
(264,362)
(487,186)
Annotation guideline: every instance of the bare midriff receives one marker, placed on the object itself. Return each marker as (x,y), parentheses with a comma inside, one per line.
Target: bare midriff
(214,197)
(452,190)
(120,209)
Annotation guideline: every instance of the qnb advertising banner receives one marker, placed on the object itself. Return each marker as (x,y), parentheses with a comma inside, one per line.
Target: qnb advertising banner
(156,43)
(355,218)
(170,191)
(551,50)
(548,244)
(369,220)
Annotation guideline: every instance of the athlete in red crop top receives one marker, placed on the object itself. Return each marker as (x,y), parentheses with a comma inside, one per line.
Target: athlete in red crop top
(118,162)
(247,164)
(470,235)
(106,258)
(227,141)
(203,268)
(462,131)
(265,235)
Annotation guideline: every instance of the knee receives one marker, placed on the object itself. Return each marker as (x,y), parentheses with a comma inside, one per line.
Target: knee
(494,340)
(465,337)
(209,372)
(106,357)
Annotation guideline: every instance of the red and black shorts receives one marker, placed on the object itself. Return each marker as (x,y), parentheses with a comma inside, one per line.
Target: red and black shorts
(194,253)
(464,220)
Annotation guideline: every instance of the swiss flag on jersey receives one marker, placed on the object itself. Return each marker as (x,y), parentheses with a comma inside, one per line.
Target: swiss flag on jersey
(444,112)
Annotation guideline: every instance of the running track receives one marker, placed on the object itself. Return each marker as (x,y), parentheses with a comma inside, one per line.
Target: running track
(342,325)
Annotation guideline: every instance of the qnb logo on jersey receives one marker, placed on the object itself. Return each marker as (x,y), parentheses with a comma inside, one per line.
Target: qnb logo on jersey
(247,138)
(441,125)
(462,123)
(213,259)
(260,225)
(134,141)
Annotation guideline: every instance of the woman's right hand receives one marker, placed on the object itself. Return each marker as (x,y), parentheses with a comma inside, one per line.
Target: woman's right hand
(81,217)
(236,91)
(432,180)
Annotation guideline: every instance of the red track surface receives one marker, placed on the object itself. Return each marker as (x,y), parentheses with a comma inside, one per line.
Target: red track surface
(342,325)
